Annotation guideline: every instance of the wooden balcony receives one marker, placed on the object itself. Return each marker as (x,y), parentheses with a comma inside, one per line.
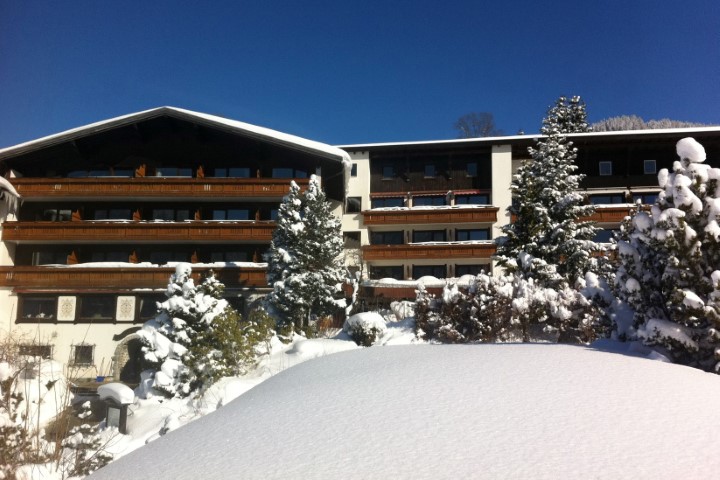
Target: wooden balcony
(91,231)
(420,216)
(428,251)
(609,214)
(120,277)
(153,187)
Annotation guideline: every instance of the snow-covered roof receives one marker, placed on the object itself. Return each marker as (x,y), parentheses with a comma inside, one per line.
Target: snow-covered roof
(246,129)
(520,138)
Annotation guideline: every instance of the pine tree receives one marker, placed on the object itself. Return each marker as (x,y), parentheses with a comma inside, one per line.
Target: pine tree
(547,242)
(305,264)
(669,264)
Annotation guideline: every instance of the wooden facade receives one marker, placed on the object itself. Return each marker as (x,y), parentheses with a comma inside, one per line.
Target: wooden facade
(429,251)
(419,216)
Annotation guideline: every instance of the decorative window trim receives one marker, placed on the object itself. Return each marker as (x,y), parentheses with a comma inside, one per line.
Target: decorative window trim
(125,308)
(66,308)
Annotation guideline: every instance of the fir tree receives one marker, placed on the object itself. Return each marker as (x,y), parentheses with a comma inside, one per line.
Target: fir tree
(669,264)
(547,242)
(305,264)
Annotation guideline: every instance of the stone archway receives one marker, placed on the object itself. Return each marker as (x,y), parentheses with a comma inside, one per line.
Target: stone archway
(127,361)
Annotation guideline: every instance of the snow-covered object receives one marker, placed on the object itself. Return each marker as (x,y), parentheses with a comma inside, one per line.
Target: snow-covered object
(119,392)
(365,328)
(547,241)
(563,412)
(668,259)
(9,196)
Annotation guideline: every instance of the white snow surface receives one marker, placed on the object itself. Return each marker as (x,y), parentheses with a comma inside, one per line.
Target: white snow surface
(453,411)
(119,392)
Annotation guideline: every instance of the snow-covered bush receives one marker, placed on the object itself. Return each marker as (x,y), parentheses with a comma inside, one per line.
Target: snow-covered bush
(305,265)
(669,264)
(84,452)
(365,328)
(197,337)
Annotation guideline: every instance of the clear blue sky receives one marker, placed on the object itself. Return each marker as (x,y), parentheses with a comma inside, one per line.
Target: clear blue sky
(355,71)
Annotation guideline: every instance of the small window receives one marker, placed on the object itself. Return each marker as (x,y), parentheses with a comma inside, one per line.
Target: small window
(386,238)
(430,170)
(472,234)
(471,169)
(646,198)
(229,256)
(353,170)
(57,215)
(605,168)
(388,202)
(147,306)
(649,167)
(604,236)
(274,214)
(173,172)
(83,355)
(461,270)
(437,271)
(282,173)
(35,350)
(354,205)
(49,257)
(429,201)
(421,236)
(607,199)
(351,239)
(388,171)
(238,172)
(97,307)
(167,214)
(394,271)
(473,199)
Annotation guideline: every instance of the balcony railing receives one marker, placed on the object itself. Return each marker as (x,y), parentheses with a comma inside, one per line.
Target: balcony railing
(419,215)
(153,187)
(607,213)
(206,231)
(120,277)
(428,251)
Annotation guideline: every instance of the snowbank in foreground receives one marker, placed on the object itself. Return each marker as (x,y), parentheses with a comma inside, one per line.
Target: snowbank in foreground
(460,411)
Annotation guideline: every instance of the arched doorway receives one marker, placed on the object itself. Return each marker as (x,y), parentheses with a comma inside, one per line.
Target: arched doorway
(128,360)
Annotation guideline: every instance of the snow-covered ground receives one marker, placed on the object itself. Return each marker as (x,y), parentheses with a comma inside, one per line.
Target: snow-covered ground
(437,411)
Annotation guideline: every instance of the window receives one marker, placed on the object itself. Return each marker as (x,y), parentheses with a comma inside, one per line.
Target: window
(57,215)
(420,236)
(388,202)
(35,350)
(173,172)
(386,238)
(649,167)
(147,306)
(274,214)
(388,171)
(471,169)
(286,172)
(437,271)
(97,307)
(395,271)
(605,168)
(232,172)
(231,214)
(351,239)
(603,236)
(113,214)
(229,256)
(472,234)
(646,198)
(429,201)
(83,354)
(353,170)
(170,214)
(430,170)
(461,270)
(161,257)
(607,199)
(39,308)
(49,257)
(109,256)
(353,205)
(472,199)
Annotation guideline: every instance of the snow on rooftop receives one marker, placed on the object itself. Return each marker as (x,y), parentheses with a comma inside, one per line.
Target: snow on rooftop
(242,127)
(453,411)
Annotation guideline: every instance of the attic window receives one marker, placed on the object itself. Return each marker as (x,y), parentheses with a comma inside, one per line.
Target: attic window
(605,168)
(649,167)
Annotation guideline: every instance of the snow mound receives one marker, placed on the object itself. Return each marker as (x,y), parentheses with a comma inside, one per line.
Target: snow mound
(470,411)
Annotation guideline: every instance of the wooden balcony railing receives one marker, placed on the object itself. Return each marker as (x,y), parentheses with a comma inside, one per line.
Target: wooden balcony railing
(153,187)
(416,216)
(432,251)
(120,277)
(607,213)
(207,231)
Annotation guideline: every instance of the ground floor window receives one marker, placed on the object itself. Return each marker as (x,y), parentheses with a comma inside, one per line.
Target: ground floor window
(35,350)
(394,271)
(437,271)
(38,308)
(83,354)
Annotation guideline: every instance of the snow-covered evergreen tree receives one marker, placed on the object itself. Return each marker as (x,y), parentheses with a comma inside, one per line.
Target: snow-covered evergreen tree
(669,263)
(305,264)
(197,337)
(547,242)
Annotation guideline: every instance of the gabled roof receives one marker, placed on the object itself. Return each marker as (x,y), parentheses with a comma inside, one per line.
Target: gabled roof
(212,121)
